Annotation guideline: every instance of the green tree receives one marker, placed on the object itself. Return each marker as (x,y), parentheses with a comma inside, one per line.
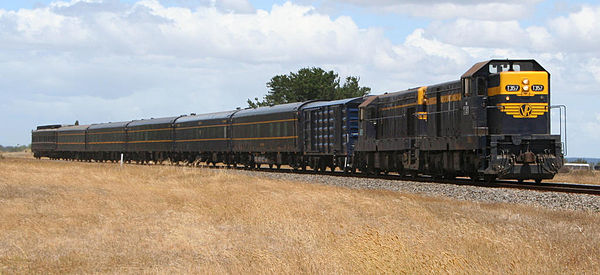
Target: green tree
(308,84)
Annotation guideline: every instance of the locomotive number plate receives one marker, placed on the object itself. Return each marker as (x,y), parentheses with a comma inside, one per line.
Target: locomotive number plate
(512,88)
(537,88)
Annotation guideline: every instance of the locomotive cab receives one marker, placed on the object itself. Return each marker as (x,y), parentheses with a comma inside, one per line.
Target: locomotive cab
(510,101)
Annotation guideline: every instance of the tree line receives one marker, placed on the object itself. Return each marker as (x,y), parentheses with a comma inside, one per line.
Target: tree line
(19,148)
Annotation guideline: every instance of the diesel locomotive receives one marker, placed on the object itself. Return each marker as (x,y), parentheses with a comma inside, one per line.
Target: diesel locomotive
(494,122)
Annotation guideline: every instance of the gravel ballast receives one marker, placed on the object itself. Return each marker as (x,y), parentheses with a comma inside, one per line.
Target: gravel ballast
(552,200)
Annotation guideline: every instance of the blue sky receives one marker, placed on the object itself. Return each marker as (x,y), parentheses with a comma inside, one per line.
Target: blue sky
(110,60)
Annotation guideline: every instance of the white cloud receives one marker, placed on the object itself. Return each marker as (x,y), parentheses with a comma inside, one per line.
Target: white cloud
(594,67)
(590,130)
(579,30)
(444,9)
(480,33)
(242,6)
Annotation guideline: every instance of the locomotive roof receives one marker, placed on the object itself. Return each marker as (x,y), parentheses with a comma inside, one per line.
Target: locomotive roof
(397,93)
(481,65)
(209,116)
(109,125)
(160,120)
(282,108)
(374,98)
(44,130)
(73,128)
(51,126)
(333,102)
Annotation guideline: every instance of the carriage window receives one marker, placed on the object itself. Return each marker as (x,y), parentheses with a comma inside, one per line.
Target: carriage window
(523,66)
(372,112)
(499,67)
(466,87)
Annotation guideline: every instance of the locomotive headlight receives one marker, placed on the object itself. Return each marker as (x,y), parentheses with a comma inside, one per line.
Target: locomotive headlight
(525,88)
(525,81)
(507,98)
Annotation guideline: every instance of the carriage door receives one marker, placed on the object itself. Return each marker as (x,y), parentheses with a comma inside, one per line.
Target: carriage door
(474,111)
(371,122)
(480,98)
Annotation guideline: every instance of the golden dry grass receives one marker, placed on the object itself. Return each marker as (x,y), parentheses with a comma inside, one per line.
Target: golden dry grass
(583,177)
(24,154)
(65,217)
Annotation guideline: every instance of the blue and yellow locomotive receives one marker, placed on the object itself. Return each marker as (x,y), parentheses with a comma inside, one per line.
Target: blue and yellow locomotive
(492,123)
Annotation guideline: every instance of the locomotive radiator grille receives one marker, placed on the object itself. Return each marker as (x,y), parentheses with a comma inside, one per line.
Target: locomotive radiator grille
(523,110)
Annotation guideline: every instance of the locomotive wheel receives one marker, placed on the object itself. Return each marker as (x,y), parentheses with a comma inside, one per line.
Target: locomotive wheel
(538,181)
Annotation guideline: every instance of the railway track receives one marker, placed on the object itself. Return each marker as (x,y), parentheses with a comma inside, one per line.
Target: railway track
(554,187)
(546,186)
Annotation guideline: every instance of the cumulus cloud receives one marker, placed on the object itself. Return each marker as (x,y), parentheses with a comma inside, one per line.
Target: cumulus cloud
(579,30)
(444,9)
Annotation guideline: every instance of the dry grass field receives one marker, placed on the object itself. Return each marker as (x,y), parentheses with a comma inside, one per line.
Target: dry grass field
(70,217)
(583,177)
